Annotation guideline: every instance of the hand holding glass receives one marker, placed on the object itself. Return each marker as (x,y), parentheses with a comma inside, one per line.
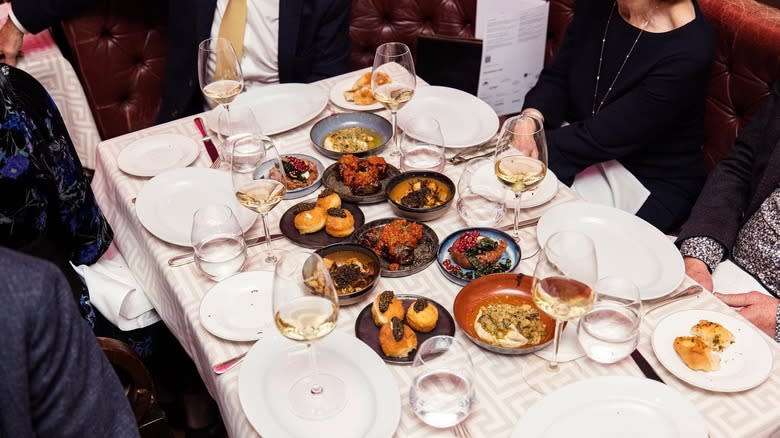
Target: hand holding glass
(422,147)
(481,199)
(393,81)
(217,242)
(306,308)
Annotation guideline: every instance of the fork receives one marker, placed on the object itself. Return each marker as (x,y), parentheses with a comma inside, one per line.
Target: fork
(688,292)
(462,431)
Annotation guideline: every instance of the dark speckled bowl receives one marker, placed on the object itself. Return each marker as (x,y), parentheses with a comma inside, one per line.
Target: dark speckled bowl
(425,213)
(321,129)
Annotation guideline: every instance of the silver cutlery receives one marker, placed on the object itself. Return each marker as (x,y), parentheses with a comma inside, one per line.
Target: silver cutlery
(522,224)
(460,157)
(688,292)
(223,367)
(462,431)
(187,258)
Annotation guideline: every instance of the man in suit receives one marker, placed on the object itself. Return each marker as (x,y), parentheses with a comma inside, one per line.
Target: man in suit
(55,380)
(737,218)
(310,40)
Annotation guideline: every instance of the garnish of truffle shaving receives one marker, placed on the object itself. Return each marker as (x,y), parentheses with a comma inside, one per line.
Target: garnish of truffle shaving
(420,304)
(385,298)
(398,328)
(300,208)
(337,212)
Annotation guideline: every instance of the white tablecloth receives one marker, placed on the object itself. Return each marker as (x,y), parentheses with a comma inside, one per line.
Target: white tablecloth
(502,385)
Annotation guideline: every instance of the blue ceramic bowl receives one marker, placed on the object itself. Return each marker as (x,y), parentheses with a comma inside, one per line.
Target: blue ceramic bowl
(512,253)
(321,129)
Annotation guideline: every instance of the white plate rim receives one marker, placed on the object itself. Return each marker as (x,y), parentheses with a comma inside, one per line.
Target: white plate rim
(125,163)
(375,371)
(564,216)
(548,409)
(546,190)
(336,96)
(748,343)
(214,302)
(205,179)
(478,108)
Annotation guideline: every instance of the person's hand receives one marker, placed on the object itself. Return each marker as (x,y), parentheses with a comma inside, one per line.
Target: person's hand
(698,270)
(10,41)
(523,139)
(758,308)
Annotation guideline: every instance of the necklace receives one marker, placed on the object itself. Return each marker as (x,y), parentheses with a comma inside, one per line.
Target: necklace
(594,109)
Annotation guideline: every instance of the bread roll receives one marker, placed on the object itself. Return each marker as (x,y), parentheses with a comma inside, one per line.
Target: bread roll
(328,199)
(339,222)
(397,339)
(310,221)
(713,334)
(696,354)
(385,307)
(422,315)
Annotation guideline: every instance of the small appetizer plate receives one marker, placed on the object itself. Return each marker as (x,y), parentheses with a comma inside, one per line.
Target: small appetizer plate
(320,238)
(461,275)
(315,184)
(400,186)
(341,252)
(330,179)
(423,254)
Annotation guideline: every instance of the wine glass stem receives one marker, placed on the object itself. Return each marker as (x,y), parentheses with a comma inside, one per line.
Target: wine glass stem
(316,388)
(396,137)
(556,343)
(516,229)
(270,258)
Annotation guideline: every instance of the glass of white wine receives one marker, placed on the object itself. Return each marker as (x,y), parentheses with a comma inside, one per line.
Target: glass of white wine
(219,71)
(393,81)
(258,180)
(564,280)
(306,308)
(520,163)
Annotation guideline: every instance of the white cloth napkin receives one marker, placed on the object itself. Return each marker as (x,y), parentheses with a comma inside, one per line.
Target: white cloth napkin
(609,183)
(728,278)
(116,294)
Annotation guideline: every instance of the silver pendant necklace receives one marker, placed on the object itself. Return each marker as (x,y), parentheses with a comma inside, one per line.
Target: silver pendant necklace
(594,109)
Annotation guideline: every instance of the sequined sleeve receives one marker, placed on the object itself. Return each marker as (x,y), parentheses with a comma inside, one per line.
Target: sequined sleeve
(703,248)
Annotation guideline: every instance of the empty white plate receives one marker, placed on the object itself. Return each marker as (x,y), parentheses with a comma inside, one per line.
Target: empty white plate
(152,155)
(238,308)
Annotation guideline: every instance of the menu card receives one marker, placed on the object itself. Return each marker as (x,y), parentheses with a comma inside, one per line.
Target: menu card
(514,38)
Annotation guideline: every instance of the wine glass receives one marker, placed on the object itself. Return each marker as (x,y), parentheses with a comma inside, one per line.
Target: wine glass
(306,307)
(217,242)
(393,61)
(609,332)
(258,180)
(563,281)
(424,150)
(521,164)
(219,71)
(481,199)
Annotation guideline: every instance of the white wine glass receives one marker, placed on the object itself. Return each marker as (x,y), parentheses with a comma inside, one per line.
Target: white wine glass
(306,307)
(393,61)
(258,181)
(520,163)
(564,280)
(219,71)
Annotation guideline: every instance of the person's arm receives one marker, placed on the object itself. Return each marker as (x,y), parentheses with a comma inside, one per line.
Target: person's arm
(332,50)
(760,309)
(11,39)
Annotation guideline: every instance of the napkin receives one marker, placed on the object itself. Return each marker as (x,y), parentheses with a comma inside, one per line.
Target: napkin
(728,278)
(115,293)
(609,183)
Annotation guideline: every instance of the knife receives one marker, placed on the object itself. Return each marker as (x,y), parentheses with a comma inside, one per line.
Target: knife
(210,148)
(185,259)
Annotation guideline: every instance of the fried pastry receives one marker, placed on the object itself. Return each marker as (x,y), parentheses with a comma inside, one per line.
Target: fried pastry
(397,339)
(385,307)
(310,221)
(361,93)
(695,353)
(328,199)
(422,315)
(339,222)
(713,334)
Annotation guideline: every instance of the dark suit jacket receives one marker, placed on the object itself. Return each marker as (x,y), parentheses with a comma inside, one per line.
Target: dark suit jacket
(313,42)
(741,182)
(54,380)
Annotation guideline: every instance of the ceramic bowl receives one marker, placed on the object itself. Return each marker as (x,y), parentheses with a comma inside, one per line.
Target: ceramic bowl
(303,191)
(341,251)
(395,189)
(324,127)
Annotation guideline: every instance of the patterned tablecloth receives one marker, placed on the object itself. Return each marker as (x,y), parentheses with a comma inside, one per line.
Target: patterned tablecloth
(42,59)
(506,386)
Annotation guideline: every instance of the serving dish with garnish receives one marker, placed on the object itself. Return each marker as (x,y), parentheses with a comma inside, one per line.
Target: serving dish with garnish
(468,254)
(420,195)
(353,268)
(303,174)
(404,247)
(496,312)
(359,133)
(359,180)
(322,221)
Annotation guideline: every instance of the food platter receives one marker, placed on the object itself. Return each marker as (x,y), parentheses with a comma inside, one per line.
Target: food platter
(320,238)
(500,289)
(337,96)
(460,275)
(423,255)
(330,180)
(368,332)
(303,191)
(355,288)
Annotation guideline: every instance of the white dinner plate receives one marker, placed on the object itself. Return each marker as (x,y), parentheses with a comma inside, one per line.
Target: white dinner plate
(166,203)
(337,97)
(626,246)
(152,155)
(274,363)
(464,119)
(279,107)
(546,190)
(238,308)
(743,365)
(612,407)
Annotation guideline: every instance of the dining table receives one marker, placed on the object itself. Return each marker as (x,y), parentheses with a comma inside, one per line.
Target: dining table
(506,386)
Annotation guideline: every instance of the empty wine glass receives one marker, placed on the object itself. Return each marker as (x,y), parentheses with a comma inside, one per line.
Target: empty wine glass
(609,332)
(563,281)
(217,241)
(240,121)
(258,180)
(306,308)
(521,164)
(443,384)
(425,149)
(393,81)
(481,199)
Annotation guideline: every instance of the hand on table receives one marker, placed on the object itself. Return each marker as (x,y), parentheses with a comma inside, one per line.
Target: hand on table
(760,309)
(10,41)
(697,270)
